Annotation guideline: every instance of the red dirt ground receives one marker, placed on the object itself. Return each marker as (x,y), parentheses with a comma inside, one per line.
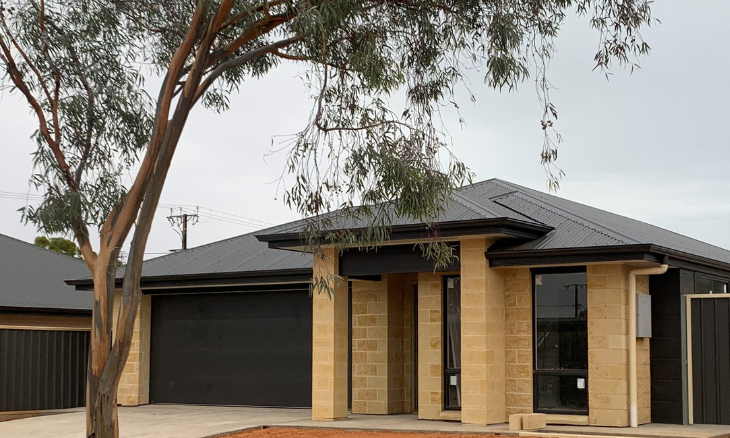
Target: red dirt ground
(276,432)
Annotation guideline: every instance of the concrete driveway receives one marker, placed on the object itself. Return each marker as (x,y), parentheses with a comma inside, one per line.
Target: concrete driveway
(185,421)
(158,421)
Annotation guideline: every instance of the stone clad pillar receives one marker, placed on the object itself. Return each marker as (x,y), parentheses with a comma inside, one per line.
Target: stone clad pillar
(608,381)
(482,337)
(380,350)
(134,384)
(329,340)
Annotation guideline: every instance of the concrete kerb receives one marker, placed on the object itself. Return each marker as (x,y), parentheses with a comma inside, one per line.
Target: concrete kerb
(546,433)
(236,431)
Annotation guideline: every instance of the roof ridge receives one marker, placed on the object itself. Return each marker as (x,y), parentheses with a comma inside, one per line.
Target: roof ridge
(512,209)
(625,217)
(606,231)
(477,208)
(44,249)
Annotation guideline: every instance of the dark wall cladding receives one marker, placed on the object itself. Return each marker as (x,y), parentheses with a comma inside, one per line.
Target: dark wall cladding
(711,360)
(666,348)
(42,369)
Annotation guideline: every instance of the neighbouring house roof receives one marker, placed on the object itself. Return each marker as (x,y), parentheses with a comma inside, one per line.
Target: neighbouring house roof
(538,223)
(226,261)
(32,278)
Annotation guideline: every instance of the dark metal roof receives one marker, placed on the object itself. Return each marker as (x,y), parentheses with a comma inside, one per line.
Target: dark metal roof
(464,207)
(32,277)
(580,226)
(557,224)
(223,261)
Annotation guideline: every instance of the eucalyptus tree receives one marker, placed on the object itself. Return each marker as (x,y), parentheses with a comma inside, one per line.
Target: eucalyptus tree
(81,66)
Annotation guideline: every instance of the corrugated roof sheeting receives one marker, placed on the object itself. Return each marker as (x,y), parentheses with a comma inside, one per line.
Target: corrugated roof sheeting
(625,230)
(239,254)
(575,226)
(33,277)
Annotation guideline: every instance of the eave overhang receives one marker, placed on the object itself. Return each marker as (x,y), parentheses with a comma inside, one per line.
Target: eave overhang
(613,253)
(216,279)
(511,228)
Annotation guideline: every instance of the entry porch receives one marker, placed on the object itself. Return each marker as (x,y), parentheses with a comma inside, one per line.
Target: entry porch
(473,343)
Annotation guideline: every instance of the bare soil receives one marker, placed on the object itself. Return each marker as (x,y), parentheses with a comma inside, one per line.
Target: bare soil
(276,432)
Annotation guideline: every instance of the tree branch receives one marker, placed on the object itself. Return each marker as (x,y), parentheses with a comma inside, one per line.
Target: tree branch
(238,61)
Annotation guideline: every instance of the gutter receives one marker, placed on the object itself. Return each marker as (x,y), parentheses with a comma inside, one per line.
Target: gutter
(210,279)
(633,390)
(510,227)
(649,252)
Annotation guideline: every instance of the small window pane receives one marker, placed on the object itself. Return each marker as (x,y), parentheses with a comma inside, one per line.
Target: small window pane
(453,323)
(452,343)
(561,314)
(705,285)
(453,390)
(560,393)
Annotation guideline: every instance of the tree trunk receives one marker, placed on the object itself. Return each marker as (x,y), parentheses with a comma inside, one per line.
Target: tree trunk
(101,406)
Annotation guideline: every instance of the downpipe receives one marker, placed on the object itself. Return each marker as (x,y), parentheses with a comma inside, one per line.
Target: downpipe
(633,391)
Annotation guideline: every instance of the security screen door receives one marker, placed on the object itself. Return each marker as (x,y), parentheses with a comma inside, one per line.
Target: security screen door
(560,341)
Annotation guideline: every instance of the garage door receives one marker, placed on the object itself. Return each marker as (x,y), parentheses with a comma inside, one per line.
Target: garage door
(251,349)
(710,359)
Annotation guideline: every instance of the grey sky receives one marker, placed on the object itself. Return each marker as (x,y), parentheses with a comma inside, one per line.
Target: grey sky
(653,146)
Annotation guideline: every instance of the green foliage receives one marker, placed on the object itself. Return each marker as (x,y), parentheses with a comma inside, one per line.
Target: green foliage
(59,245)
(374,148)
(80,61)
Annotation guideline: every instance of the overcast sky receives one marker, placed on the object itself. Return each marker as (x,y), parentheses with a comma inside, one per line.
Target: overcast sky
(652,145)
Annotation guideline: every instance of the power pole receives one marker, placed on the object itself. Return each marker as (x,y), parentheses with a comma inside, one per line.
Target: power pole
(180,221)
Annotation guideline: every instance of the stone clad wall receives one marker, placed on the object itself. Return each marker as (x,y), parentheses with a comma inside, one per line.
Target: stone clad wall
(329,341)
(430,350)
(608,382)
(381,356)
(369,347)
(134,385)
(518,340)
(482,336)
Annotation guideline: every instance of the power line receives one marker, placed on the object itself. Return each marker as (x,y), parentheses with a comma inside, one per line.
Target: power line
(181,221)
(212,213)
(20,196)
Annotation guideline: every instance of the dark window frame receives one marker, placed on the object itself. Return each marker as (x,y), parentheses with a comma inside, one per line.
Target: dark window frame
(447,372)
(566,372)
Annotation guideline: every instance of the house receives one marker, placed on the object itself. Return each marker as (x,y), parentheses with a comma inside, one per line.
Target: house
(552,307)
(44,329)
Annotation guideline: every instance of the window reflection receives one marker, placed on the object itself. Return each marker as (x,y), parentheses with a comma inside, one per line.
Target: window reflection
(452,332)
(561,342)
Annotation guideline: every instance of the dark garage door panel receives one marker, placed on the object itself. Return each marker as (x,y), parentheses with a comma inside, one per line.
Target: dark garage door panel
(252,348)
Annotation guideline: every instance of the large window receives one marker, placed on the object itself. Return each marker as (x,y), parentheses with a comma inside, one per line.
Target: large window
(452,338)
(560,341)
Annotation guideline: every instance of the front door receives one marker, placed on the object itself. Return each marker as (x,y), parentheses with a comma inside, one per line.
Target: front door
(560,344)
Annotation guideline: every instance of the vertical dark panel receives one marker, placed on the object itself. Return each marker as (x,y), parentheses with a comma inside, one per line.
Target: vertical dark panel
(697,380)
(686,282)
(666,348)
(42,369)
(722,312)
(709,378)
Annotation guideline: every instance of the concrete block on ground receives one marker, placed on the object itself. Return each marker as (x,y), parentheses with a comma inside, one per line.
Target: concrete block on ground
(515,421)
(534,421)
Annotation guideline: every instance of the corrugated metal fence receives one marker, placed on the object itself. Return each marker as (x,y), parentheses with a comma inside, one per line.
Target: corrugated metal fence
(42,369)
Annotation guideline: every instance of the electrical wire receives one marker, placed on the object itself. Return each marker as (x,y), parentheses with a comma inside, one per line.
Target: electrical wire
(212,213)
